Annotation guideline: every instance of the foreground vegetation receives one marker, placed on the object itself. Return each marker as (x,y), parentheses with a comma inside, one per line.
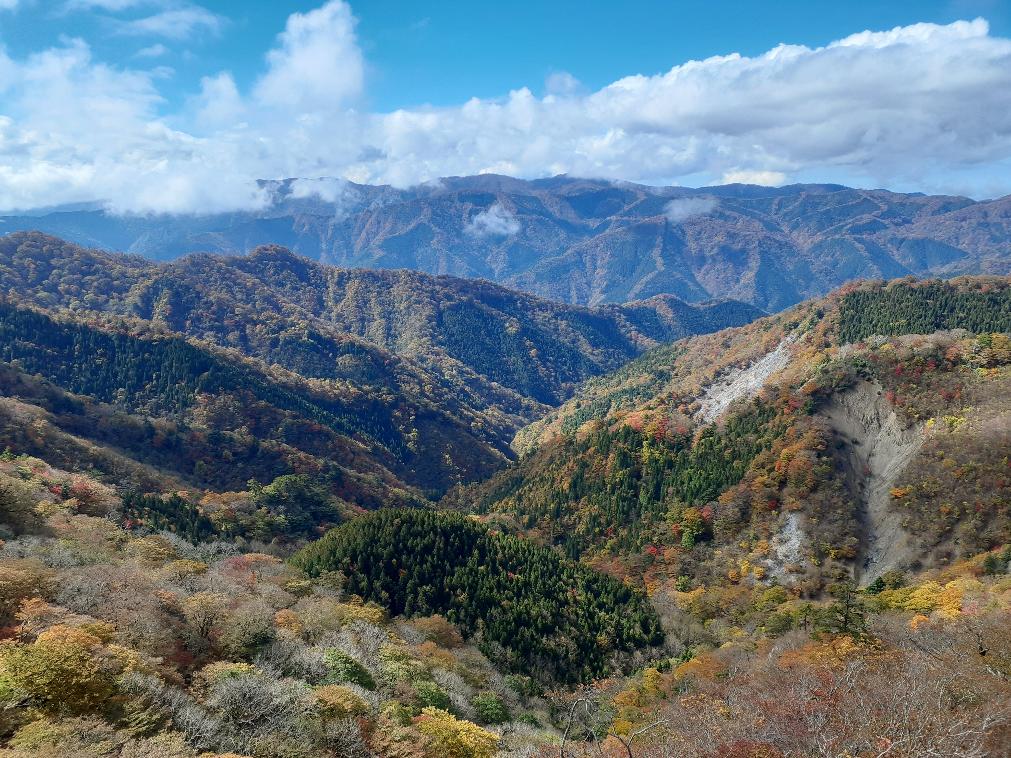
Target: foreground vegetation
(124,643)
(535,612)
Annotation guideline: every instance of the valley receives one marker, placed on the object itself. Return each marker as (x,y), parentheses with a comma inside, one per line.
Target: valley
(258,505)
(505,380)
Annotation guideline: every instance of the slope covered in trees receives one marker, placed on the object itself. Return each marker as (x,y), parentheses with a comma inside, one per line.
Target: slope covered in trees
(199,416)
(923,309)
(483,352)
(146,609)
(548,617)
(123,642)
(632,476)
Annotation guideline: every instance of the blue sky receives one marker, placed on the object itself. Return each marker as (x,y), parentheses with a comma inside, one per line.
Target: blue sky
(179,105)
(446,52)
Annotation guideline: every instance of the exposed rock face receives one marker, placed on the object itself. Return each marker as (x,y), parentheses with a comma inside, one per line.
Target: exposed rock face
(741,384)
(787,548)
(875,448)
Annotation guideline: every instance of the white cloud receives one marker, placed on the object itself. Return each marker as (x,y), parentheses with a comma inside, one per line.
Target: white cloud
(919,107)
(562,83)
(8,5)
(748,176)
(153,51)
(175,23)
(219,103)
(495,221)
(318,63)
(327,189)
(683,208)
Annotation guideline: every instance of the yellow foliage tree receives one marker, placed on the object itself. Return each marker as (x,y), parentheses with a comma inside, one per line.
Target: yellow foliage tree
(337,702)
(451,737)
(64,670)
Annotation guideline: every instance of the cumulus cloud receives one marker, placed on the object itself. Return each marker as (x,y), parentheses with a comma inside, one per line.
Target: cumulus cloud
(919,107)
(318,62)
(562,83)
(683,208)
(219,102)
(495,221)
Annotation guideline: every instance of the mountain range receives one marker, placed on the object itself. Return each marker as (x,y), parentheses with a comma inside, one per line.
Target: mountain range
(436,373)
(587,242)
(260,505)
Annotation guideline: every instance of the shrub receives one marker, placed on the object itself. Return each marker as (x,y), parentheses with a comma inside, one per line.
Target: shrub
(523,685)
(209,676)
(248,629)
(19,580)
(778,623)
(490,709)
(336,702)
(17,505)
(64,670)
(321,615)
(430,694)
(438,630)
(344,668)
(86,738)
(398,666)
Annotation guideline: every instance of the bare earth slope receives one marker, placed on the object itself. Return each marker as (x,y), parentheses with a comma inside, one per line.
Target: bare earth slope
(875,448)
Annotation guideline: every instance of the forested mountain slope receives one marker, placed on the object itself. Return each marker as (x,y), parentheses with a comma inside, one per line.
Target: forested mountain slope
(549,617)
(493,357)
(856,434)
(211,420)
(591,241)
(730,484)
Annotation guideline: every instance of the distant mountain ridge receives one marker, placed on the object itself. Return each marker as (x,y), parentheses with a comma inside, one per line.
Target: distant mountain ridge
(589,241)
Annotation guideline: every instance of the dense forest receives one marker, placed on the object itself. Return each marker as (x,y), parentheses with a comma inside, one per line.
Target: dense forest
(162,376)
(619,485)
(925,307)
(551,618)
(191,409)
(386,331)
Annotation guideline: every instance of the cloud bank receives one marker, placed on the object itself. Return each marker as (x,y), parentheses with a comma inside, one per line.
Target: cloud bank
(924,107)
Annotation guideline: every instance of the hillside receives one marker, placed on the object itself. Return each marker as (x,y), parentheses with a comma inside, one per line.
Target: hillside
(145,625)
(384,332)
(120,642)
(669,568)
(592,242)
(155,409)
(848,436)
(546,615)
